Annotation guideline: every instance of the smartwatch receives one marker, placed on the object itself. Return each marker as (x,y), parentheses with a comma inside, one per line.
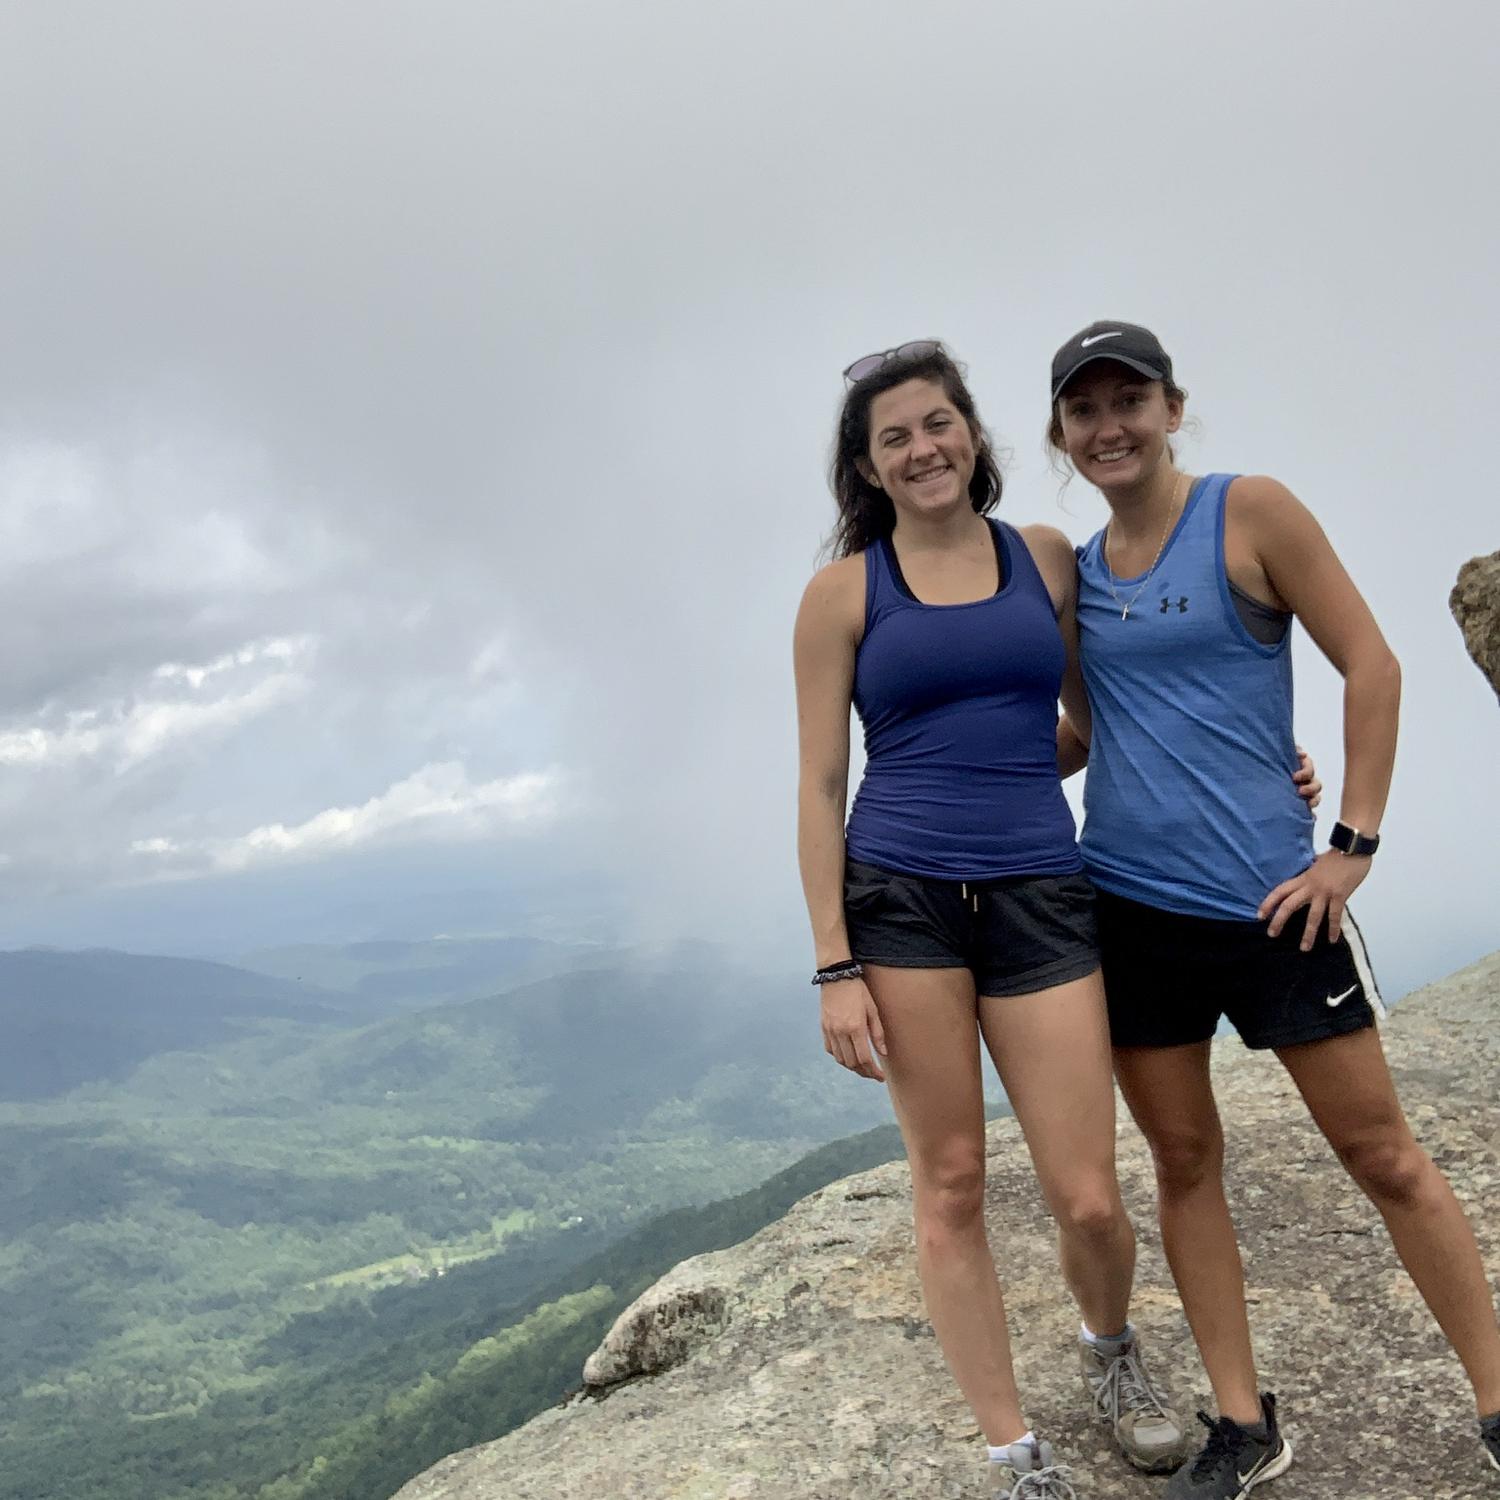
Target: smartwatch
(1351,841)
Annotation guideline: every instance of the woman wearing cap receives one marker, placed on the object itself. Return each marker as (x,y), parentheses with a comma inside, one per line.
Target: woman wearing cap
(955,908)
(1211,901)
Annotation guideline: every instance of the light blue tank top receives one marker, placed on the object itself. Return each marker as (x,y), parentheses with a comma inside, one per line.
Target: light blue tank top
(1189,803)
(959,707)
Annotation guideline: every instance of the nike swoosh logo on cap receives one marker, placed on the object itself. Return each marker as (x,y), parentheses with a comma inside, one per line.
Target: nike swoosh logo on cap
(1117,334)
(1333,1000)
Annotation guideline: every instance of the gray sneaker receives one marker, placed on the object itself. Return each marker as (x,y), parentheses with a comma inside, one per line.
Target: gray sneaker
(1150,1433)
(1233,1461)
(1027,1472)
(1489,1435)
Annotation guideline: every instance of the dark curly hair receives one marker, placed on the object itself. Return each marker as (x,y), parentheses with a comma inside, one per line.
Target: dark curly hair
(865,512)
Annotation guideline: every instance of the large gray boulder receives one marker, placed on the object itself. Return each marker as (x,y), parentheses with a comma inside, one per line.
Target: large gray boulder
(1475,602)
(799,1365)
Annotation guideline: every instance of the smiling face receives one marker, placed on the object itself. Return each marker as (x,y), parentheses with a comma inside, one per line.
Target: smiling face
(921,452)
(1115,424)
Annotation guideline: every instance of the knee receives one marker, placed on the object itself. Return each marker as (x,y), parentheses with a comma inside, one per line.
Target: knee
(1186,1159)
(1091,1211)
(949,1199)
(1393,1169)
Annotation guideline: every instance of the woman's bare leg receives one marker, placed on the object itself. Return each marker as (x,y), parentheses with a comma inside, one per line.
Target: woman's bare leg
(932,1069)
(1171,1096)
(1051,1049)
(1347,1086)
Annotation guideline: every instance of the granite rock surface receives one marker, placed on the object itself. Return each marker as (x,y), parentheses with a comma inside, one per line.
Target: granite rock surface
(1475,602)
(799,1365)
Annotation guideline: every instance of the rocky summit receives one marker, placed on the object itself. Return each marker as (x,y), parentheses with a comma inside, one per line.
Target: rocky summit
(1475,602)
(799,1365)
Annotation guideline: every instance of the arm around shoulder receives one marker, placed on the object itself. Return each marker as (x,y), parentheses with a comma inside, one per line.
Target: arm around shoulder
(1057,562)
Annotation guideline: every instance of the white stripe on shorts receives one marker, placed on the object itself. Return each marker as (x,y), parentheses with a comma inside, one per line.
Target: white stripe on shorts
(1362,965)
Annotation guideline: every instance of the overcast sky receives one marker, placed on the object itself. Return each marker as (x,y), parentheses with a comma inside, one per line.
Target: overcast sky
(414,417)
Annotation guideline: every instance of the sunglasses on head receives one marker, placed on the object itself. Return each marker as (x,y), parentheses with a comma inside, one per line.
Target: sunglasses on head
(917,349)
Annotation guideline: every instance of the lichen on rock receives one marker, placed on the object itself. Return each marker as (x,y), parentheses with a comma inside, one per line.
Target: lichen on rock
(662,1327)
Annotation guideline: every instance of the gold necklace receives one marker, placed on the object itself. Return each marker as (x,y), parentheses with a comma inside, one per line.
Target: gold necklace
(1109,572)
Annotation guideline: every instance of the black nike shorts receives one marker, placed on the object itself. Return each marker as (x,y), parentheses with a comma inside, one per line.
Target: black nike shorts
(1169,978)
(1016,936)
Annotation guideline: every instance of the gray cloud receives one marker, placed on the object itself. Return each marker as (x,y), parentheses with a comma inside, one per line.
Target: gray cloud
(495,349)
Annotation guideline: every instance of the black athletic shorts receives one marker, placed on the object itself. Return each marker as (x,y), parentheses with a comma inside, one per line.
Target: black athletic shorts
(1017,935)
(1168,978)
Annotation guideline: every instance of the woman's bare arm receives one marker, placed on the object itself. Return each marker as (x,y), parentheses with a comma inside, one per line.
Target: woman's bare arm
(827,634)
(1304,570)
(1057,562)
(1072,753)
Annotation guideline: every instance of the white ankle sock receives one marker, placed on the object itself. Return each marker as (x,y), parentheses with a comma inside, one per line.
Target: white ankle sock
(1090,1337)
(1001,1454)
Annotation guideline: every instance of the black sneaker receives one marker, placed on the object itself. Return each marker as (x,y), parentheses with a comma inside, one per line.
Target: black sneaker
(1489,1435)
(1233,1461)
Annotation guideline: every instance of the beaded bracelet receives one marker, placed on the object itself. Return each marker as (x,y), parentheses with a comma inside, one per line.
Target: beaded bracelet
(849,968)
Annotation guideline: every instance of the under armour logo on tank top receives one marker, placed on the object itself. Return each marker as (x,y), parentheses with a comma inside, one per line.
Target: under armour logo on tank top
(1188,799)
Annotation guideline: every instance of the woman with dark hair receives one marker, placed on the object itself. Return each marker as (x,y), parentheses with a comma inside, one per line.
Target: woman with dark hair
(955,909)
(1211,902)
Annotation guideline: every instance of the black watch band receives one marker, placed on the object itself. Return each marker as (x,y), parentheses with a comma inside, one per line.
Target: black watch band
(1351,841)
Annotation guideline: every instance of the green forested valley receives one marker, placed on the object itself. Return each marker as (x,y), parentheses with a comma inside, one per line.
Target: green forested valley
(305,1254)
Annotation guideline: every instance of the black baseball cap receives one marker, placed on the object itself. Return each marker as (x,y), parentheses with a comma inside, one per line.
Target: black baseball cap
(1125,343)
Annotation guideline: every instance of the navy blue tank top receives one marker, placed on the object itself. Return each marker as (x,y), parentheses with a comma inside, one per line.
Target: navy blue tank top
(959,707)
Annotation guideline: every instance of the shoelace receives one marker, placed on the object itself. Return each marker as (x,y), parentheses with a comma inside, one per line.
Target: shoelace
(1050,1483)
(1218,1452)
(1127,1386)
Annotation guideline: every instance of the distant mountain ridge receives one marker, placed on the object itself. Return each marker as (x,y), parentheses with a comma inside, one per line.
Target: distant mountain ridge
(71,1018)
(386,976)
(203,1261)
(582,1055)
